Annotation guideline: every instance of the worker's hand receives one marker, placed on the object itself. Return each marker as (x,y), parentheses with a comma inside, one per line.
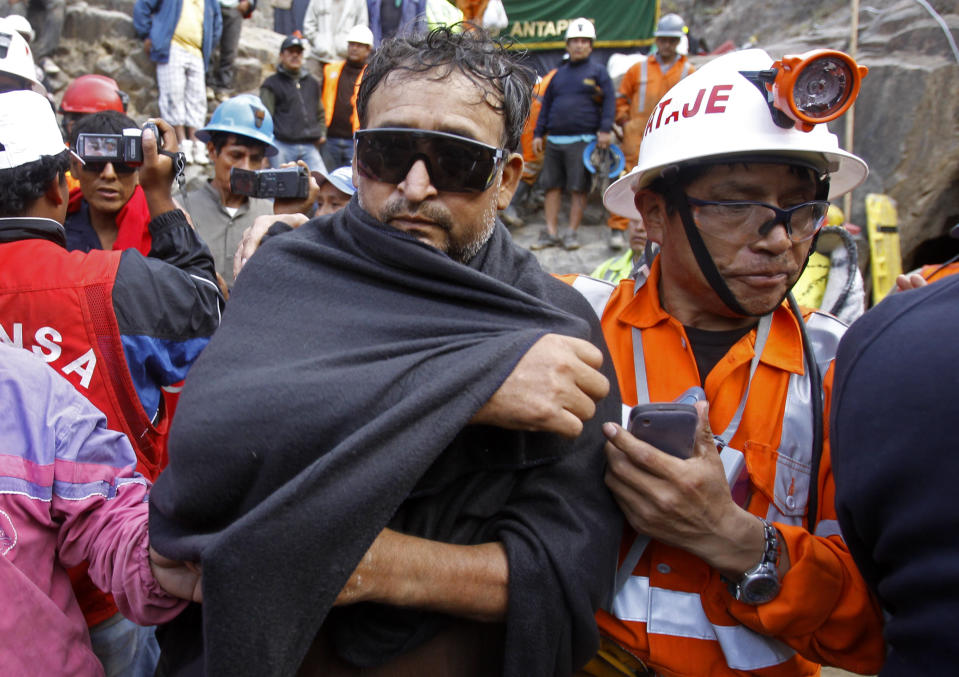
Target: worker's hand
(603,139)
(554,388)
(910,281)
(147,45)
(538,145)
(685,503)
(157,172)
(180,579)
(253,235)
(296,205)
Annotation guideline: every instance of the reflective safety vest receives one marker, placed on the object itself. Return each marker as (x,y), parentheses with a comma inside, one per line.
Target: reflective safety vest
(673,611)
(641,88)
(532,163)
(59,305)
(331,78)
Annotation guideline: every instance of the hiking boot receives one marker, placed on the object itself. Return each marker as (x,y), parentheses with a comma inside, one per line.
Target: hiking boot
(570,240)
(545,239)
(511,218)
(616,239)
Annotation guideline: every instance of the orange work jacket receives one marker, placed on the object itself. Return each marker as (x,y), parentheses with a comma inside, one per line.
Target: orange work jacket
(331,78)
(641,88)
(532,162)
(674,611)
(937,271)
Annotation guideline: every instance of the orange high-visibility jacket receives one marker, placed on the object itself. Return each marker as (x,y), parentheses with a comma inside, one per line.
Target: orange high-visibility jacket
(641,88)
(533,162)
(674,611)
(331,78)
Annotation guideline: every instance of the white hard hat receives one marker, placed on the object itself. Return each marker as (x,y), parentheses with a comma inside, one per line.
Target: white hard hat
(716,112)
(16,57)
(28,129)
(22,26)
(361,34)
(581,28)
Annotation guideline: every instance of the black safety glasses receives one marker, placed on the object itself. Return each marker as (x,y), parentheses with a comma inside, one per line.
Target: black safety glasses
(455,164)
(97,167)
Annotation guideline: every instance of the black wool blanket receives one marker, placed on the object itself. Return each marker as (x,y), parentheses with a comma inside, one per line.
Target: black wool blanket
(333,401)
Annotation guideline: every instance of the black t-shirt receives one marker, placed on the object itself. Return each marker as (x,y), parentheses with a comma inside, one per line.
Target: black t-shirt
(709,347)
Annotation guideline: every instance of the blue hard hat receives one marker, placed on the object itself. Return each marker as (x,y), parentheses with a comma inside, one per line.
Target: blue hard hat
(615,170)
(242,115)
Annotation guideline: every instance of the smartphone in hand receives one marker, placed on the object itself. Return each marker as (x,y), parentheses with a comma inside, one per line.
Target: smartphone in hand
(668,426)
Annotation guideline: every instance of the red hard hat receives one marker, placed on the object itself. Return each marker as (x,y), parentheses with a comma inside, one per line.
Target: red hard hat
(92,94)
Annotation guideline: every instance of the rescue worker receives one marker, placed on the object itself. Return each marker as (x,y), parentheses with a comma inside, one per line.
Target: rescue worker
(118,325)
(755,579)
(341,79)
(643,85)
(631,263)
(578,108)
(239,134)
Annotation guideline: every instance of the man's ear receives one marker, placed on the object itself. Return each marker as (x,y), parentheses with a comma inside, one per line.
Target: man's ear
(512,173)
(652,206)
(75,167)
(55,192)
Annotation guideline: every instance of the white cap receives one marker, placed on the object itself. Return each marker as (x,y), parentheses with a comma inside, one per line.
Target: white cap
(28,129)
(361,34)
(340,178)
(716,112)
(16,57)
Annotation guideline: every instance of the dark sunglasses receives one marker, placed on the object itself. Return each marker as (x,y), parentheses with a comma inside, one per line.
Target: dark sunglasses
(97,167)
(455,164)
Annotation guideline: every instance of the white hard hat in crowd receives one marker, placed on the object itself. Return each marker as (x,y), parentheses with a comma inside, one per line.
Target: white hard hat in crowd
(22,26)
(670,26)
(16,57)
(361,34)
(581,28)
(716,112)
(28,128)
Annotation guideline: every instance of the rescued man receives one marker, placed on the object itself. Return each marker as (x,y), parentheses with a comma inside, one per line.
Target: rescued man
(754,580)
(395,435)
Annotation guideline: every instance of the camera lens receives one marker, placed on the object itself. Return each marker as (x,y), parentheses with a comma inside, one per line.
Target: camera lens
(823,87)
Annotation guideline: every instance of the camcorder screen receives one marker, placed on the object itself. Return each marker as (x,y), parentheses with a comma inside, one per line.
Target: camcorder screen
(100,146)
(289,182)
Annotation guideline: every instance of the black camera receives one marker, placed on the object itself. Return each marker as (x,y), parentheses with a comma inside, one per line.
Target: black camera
(291,182)
(125,148)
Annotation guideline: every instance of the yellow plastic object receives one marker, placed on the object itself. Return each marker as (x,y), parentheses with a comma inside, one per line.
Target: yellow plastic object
(885,260)
(811,285)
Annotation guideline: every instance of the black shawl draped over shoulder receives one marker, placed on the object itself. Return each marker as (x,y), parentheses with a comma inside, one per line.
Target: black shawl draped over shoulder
(334,401)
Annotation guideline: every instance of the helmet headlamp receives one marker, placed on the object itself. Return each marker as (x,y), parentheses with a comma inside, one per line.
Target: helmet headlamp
(810,88)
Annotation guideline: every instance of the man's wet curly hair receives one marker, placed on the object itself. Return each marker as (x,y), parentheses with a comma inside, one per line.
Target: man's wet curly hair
(21,186)
(507,84)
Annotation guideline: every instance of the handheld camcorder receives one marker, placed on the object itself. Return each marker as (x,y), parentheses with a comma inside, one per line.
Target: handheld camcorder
(125,148)
(290,182)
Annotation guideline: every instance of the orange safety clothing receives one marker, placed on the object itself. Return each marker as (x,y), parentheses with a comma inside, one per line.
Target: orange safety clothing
(472,10)
(331,77)
(674,611)
(641,88)
(937,271)
(532,163)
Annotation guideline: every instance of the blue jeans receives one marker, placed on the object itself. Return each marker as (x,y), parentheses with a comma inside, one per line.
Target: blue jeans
(337,153)
(291,152)
(124,648)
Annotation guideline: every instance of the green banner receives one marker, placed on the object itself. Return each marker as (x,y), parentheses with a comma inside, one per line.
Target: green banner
(541,24)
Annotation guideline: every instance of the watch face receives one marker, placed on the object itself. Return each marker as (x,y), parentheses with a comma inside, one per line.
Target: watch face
(760,588)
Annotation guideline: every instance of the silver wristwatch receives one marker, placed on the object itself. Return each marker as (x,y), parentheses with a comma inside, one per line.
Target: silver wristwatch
(761,583)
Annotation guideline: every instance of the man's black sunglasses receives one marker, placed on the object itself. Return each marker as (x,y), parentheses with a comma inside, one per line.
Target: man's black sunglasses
(455,164)
(97,167)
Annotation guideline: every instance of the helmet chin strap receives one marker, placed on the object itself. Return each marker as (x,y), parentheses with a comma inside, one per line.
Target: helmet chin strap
(703,258)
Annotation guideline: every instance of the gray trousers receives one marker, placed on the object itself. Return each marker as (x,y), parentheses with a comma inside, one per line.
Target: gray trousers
(224,72)
(46,18)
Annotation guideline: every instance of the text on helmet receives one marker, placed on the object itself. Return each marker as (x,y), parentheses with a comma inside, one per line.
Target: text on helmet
(715,102)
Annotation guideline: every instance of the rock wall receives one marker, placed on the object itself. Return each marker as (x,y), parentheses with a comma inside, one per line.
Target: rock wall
(907,118)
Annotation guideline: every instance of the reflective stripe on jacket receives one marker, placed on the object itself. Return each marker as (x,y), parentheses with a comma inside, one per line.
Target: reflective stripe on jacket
(331,78)
(674,611)
(641,88)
